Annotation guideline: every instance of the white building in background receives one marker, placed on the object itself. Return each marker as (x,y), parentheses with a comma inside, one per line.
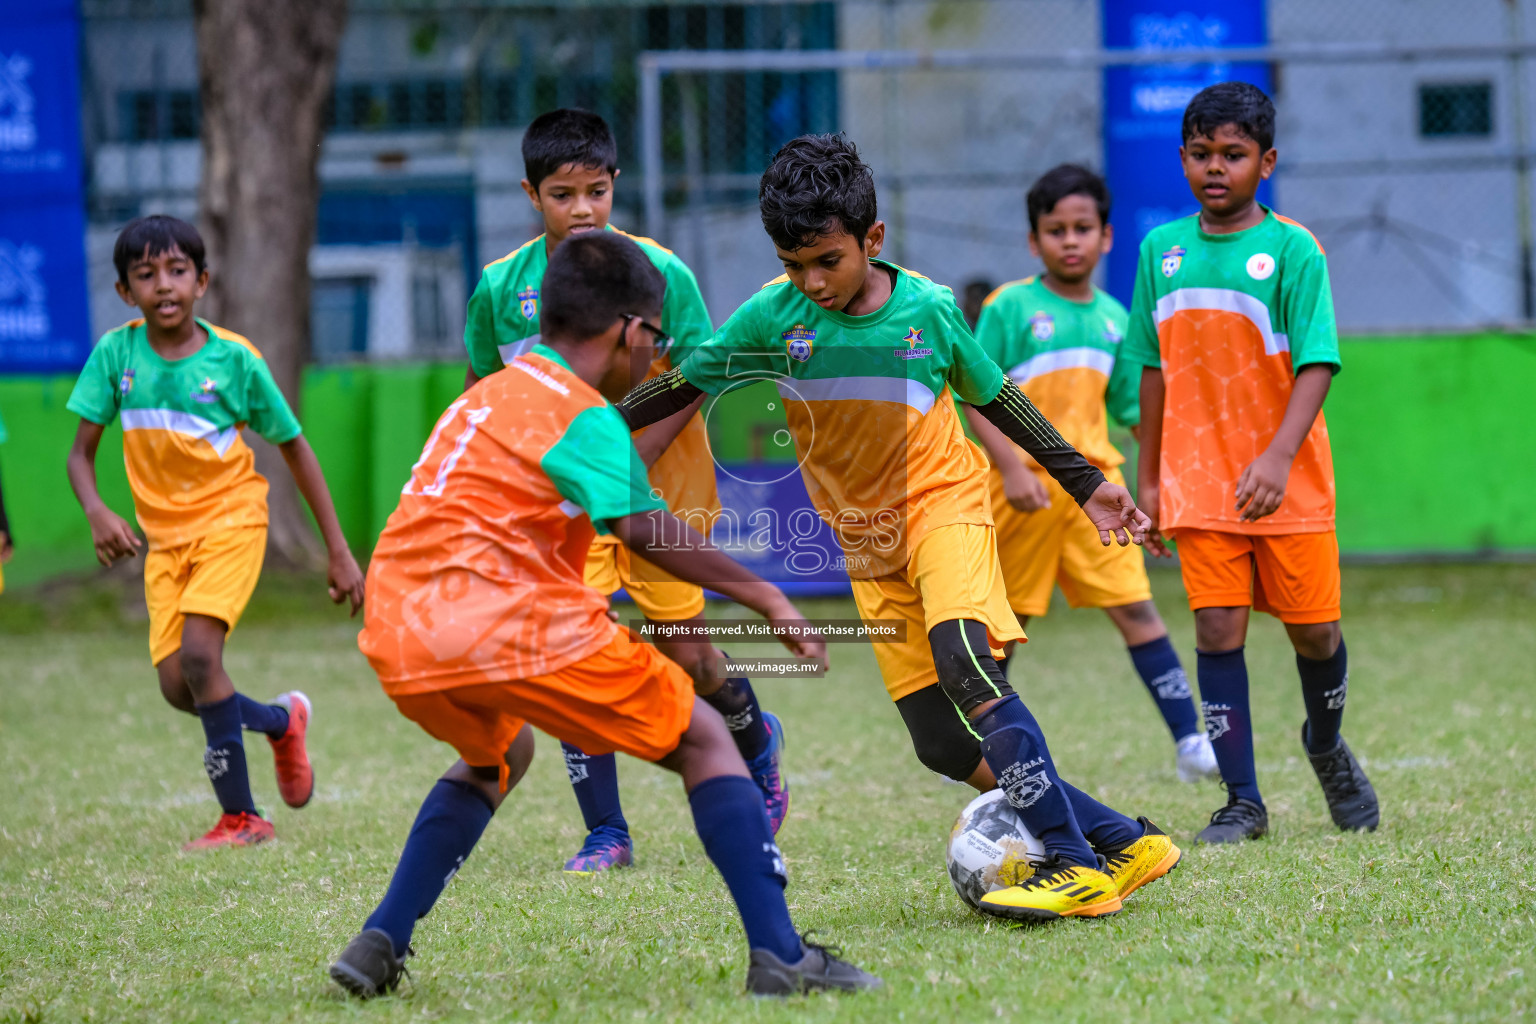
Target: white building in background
(1406,171)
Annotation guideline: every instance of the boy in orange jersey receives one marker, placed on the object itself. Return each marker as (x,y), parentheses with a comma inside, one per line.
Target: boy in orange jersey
(570,160)
(183,388)
(479,623)
(1233,323)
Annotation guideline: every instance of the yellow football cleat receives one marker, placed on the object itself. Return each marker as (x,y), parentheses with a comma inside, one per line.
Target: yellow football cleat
(1146,860)
(1055,891)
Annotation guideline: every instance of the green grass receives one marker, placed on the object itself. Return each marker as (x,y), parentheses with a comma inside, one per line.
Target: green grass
(1430,918)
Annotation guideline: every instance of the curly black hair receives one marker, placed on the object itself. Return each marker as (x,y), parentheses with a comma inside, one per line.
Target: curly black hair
(1236,103)
(816,186)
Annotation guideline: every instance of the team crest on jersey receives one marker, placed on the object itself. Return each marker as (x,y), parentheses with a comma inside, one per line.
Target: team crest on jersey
(1173,259)
(914,343)
(1260,266)
(125,382)
(1111,332)
(528,302)
(798,342)
(207,392)
(1042,326)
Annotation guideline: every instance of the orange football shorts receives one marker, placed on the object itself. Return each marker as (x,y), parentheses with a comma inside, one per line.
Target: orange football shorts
(1292,576)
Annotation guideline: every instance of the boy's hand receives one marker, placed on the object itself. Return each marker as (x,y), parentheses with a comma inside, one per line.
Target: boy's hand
(112,537)
(6,547)
(1114,512)
(1261,488)
(796,634)
(1155,541)
(345,579)
(1025,492)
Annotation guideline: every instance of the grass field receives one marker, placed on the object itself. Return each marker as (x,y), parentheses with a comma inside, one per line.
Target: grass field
(1433,917)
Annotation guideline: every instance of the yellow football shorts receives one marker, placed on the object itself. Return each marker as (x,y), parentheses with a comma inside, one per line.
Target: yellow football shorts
(213,576)
(660,596)
(953,574)
(1058,545)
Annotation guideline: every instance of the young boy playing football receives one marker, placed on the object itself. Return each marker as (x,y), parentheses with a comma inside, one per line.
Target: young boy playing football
(1232,321)
(1057,336)
(183,389)
(570,157)
(866,355)
(479,623)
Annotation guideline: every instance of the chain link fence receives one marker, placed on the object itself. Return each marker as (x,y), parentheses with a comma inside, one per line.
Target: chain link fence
(1405,135)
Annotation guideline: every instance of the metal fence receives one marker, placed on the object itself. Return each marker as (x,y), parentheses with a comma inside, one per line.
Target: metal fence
(1405,137)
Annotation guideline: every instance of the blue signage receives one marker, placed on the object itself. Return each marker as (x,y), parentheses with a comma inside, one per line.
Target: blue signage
(1144,109)
(44,324)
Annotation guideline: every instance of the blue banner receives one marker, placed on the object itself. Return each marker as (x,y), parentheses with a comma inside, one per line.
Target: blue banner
(1144,109)
(44,323)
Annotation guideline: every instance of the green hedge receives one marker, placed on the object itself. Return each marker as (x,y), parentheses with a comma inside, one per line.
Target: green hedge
(1432,450)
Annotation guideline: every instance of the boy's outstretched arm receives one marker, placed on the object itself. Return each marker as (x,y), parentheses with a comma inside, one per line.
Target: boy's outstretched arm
(1109,506)
(658,398)
(674,546)
(111,535)
(1149,454)
(1022,488)
(1261,487)
(343,577)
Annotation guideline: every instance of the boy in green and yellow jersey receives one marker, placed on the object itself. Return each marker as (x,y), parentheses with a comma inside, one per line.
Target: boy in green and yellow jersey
(570,159)
(867,357)
(1058,337)
(182,389)
(1232,322)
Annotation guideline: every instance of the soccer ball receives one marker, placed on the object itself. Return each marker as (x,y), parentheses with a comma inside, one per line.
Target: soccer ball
(990,849)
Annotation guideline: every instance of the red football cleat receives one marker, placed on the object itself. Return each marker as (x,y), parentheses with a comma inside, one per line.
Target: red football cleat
(243,829)
(295,775)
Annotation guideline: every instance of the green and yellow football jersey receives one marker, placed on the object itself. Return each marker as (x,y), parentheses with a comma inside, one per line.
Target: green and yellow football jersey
(190,471)
(1064,355)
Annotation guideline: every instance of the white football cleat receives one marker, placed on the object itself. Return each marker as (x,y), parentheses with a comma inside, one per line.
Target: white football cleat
(1196,758)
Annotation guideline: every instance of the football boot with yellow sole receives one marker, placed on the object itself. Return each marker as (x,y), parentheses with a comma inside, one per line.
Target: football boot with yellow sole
(1055,890)
(1145,860)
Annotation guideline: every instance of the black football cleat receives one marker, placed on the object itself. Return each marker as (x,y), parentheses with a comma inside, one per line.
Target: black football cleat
(1351,798)
(368,966)
(1240,819)
(818,968)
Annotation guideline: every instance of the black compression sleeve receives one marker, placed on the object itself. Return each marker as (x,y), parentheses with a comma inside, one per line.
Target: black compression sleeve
(657,398)
(1019,420)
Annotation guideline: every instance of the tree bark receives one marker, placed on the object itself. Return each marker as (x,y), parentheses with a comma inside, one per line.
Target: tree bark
(265,70)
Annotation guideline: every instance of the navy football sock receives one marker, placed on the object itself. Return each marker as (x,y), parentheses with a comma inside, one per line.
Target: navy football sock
(1103,826)
(1015,749)
(738,705)
(1324,685)
(1158,665)
(1224,702)
(271,719)
(447,828)
(595,781)
(728,813)
(224,757)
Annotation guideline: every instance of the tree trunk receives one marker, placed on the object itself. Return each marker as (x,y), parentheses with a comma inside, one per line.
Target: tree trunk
(265,70)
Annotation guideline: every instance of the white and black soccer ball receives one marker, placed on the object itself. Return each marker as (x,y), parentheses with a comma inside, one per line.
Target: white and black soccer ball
(990,849)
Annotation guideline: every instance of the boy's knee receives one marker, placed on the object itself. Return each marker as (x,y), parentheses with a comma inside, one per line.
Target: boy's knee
(175,690)
(197,664)
(1317,641)
(1220,629)
(940,739)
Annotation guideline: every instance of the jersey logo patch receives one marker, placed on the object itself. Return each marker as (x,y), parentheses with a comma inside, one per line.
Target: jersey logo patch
(1260,265)
(528,302)
(913,341)
(1172,260)
(1111,332)
(207,392)
(1042,326)
(799,341)
(125,383)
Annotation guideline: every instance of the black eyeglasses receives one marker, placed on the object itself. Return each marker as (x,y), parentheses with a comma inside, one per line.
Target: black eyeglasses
(663,340)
